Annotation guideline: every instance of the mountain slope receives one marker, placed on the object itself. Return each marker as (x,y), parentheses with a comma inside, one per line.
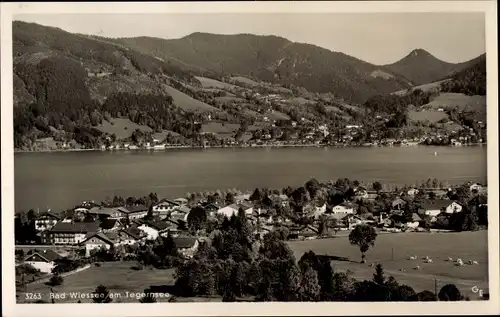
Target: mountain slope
(421,67)
(275,59)
(67,84)
(469,81)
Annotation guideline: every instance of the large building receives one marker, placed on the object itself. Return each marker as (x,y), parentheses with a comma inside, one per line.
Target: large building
(71,233)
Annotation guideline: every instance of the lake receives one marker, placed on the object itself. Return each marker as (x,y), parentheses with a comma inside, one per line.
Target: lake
(62,180)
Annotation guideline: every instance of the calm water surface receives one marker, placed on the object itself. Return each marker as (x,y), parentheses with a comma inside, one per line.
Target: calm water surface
(61,180)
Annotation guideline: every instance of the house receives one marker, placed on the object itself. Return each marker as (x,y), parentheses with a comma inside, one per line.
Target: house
(181,201)
(97,240)
(228,211)
(241,198)
(104,212)
(186,246)
(134,211)
(398,204)
(435,207)
(131,235)
(412,192)
(210,208)
(453,208)
(315,210)
(154,229)
(164,207)
(45,221)
(360,193)
(110,224)
(344,208)
(180,213)
(72,233)
(43,260)
(476,187)
(352,221)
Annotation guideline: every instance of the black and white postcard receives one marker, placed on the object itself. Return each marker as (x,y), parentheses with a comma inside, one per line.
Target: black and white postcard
(249,158)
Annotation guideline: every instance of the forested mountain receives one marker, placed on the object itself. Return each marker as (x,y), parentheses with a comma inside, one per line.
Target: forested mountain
(421,67)
(66,84)
(275,59)
(469,81)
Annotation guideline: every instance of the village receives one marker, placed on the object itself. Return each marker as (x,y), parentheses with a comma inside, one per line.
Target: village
(90,227)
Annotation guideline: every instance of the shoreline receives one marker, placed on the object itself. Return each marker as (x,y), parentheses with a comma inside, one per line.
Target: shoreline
(238,147)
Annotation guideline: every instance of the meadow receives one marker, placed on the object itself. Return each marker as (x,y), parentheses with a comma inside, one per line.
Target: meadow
(213,83)
(186,102)
(121,127)
(393,249)
(118,277)
(431,116)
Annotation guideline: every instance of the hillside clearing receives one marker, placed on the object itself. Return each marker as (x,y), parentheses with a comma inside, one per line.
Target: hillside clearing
(213,83)
(276,115)
(245,81)
(186,102)
(464,245)
(460,101)
(219,127)
(425,87)
(121,127)
(431,116)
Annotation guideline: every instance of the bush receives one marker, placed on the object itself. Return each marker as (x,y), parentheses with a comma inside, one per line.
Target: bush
(55,280)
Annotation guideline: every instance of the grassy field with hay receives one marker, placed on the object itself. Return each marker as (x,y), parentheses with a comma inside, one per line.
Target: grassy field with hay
(121,127)
(245,81)
(438,246)
(425,87)
(218,127)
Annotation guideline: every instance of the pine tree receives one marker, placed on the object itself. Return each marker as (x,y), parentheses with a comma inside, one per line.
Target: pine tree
(378,276)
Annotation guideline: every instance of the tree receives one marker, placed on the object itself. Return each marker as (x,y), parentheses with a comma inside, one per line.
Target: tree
(403,293)
(229,199)
(377,187)
(312,186)
(148,298)
(257,196)
(309,289)
(450,292)
(378,276)
(55,280)
(101,295)
(364,236)
(426,296)
(197,218)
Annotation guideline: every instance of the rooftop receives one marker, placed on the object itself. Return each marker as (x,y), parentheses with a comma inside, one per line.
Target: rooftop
(75,227)
(184,242)
(48,255)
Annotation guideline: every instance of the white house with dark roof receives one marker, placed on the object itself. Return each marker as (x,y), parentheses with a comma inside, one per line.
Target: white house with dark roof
(186,246)
(164,207)
(155,229)
(97,240)
(131,235)
(43,260)
(229,210)
(100,211)
(45,221)
(134,211)
(344,208)
(72,233)
(435,207)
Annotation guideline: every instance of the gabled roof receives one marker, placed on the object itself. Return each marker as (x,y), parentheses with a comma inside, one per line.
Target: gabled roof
(100,236)
(109,223)
(437,204)
(184,242)
(75,227)
(133,208)
(415,217)
(134,232)
(167,201)
(48,255)
(49,214)
(158,225)
(99,210)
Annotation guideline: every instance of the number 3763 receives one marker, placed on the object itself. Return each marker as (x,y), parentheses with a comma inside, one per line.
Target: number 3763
(33,296)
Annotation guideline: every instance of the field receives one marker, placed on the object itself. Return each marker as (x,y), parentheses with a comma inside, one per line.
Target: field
(118,277)
(217,127)
(425,87)
(431,116)
(213,83)
(229,99)
(186,102)
(463,102)
(245,81)
(121,127)
(302,101)
(438,246)
(276,115)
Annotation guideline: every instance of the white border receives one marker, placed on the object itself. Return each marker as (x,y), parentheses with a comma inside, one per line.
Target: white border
(227,309)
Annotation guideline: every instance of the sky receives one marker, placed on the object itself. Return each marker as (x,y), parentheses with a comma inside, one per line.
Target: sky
(378,38)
